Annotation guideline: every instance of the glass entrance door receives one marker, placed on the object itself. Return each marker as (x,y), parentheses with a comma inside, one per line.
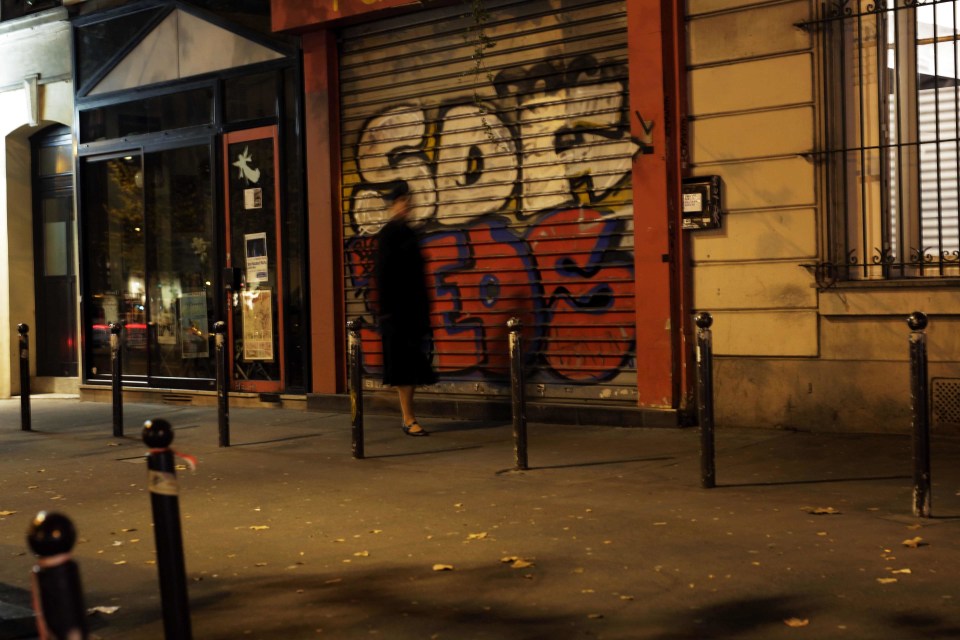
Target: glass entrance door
(150,263)
(255,324)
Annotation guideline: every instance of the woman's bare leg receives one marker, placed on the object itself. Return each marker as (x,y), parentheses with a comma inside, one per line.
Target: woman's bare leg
(406,405)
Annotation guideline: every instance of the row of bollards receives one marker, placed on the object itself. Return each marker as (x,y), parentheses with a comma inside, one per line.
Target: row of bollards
(58,595)
(705,414)
(518,396)
(116,383)
(917,321)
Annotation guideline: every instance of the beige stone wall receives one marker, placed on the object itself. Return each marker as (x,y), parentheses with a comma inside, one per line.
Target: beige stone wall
(788,355)
(752,123)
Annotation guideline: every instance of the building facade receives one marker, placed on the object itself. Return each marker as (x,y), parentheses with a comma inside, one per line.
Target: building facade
(38,246)
(563,156)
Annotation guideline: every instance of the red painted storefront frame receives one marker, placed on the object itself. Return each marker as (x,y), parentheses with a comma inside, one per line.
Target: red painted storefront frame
(661,251)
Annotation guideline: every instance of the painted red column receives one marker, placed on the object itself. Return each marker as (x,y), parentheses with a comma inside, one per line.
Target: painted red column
(325,239)
(654,43)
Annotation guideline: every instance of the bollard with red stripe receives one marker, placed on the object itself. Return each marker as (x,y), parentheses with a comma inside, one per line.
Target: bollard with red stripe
(164,491)
(57,594)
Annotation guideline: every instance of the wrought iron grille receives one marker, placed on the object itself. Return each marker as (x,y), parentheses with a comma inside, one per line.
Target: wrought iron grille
(888,138)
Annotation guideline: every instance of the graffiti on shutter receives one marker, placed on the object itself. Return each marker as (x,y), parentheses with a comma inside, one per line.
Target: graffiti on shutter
(520,187)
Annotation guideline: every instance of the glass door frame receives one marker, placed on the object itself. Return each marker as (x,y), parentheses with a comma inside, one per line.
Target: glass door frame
(149,379)
(233,262)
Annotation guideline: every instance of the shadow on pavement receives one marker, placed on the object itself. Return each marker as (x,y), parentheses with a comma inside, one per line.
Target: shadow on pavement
(736,617)
(734,485)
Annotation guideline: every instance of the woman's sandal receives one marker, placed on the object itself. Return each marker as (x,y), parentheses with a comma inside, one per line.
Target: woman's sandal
(416,434)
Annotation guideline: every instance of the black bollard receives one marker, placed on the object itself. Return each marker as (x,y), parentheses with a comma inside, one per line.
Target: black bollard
(355,362)
(57,596)
(517,393)
(917,322)
(708,471)
(223,382)
(162,482)
(25,422)
(116,368)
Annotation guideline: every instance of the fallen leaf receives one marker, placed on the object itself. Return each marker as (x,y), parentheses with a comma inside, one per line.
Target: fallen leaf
(101,609)
(128,530)
(119,562)
(362,554)
(520,563)
(260,564)
(7,513)
(376,531)
(477,536)
(822,511)
(443,567)
(796,622)
(902,571)
(258,527)
(886,580)
(913,543)
(625,597)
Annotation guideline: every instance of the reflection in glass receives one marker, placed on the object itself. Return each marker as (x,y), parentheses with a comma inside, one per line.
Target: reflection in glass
(116,261)
(182,258)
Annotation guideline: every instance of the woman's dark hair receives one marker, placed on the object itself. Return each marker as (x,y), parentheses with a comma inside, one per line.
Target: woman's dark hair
(398,190)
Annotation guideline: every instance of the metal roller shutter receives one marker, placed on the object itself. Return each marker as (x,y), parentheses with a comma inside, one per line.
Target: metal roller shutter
(519,166)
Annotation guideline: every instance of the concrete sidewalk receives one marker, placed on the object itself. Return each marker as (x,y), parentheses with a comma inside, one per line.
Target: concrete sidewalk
(608,535)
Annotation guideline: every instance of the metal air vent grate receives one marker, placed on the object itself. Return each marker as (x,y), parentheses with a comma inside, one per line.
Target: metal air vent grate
(945,400)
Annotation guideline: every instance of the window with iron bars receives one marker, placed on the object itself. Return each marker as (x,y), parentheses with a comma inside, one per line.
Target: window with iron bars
(890,107)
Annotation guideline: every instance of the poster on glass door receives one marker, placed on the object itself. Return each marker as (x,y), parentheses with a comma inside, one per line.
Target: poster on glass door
(257,316)
(255,248)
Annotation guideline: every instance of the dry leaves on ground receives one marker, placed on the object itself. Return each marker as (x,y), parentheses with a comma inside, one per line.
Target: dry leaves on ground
(102,609)
(913,543)
(443,567)
(822,511)
(516,562)
(796,622)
